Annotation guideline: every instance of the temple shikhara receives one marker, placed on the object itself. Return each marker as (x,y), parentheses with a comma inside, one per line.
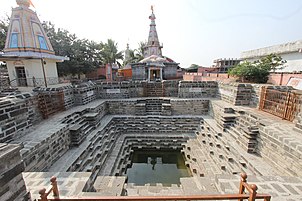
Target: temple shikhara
(28,53)
(151,137)
(154,66)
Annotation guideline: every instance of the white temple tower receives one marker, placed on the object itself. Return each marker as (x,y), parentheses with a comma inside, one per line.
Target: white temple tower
(30,58)
(153,46)
(154,66)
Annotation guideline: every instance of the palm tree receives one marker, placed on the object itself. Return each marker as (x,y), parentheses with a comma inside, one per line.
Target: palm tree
(110,54)
(140,50)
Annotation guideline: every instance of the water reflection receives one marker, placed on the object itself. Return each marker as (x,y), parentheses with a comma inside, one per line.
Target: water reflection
(153,167)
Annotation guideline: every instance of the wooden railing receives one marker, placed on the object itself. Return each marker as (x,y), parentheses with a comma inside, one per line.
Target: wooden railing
(251,195)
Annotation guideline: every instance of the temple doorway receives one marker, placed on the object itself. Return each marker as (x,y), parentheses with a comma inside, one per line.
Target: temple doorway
(21,76)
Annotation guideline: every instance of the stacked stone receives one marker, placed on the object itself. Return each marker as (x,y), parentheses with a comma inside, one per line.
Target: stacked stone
(122,135)
(35,115)
(44,146)
(246,131)
(166,109)
(14,117)
(51,102)
(114,90)
(85,93)
(154,89)
(170,88)
(157,124)
(298,121)
(279,145)
(211,153)
(223,113)
(136,89)
(189,106)
(124,106)
(255,95)
(12,186)
(68,96)
(117,90)
(140,107)
(197,89)
(81,124)
(235,93)
(101,110)
(154,106)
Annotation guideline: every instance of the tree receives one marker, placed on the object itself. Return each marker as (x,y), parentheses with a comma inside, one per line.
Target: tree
(136,55)
(192,68)
(84,54)
(3,31)
(140,51)
(257,71)
(110,54)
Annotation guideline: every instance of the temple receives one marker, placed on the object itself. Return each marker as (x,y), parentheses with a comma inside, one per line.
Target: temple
(30,58)
(145,140)
(154,66)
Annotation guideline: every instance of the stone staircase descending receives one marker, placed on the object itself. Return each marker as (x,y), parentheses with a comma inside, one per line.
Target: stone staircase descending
(79,127)
(154,89)
(154,106)
(188,186)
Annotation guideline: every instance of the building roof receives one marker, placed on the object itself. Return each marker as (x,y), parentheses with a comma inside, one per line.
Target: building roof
(284,48)
(7,56)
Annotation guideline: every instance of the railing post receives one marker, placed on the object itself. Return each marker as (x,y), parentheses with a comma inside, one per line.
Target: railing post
(54,184)
(241,187)
(43,194)
(253,193)
(267,199)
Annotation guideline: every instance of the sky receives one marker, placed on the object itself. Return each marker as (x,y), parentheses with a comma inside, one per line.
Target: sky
(192,31)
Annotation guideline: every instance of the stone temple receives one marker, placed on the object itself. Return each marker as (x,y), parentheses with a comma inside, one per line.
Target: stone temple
(91,137)
(154,67)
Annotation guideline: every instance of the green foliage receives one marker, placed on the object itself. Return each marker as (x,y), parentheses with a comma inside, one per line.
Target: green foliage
(3,30)
(136,55)
(110,54)
(193,68)
(257,71)
(84,54)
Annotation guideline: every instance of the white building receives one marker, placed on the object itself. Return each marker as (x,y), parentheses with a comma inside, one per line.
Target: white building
(291,52)
(30,58)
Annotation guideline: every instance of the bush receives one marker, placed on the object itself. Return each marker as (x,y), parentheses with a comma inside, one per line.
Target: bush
(257,71)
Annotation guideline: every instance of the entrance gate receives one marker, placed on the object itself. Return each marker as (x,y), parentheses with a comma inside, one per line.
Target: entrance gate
(284,104)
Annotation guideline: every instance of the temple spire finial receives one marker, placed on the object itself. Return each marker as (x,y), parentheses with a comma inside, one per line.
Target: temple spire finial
(25,3)
(152,8)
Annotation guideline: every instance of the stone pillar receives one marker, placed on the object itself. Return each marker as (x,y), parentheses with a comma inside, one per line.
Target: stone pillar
(149,72)
(161,73)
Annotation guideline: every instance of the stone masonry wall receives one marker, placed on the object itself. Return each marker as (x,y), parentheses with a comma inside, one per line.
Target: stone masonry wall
(15,117)
(170,88)
(117,90)
(85,93)
(199,89)
(12,186)
(44,146)
(124,106)
(235,93)
(189,107)
(273,139)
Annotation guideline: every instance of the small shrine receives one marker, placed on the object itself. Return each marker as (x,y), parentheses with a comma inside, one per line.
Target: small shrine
(28,53)
(154,66)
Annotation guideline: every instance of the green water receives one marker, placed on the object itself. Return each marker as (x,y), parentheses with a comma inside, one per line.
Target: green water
(153,167)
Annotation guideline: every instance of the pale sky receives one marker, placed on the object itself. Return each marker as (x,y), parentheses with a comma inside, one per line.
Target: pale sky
(192,31)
